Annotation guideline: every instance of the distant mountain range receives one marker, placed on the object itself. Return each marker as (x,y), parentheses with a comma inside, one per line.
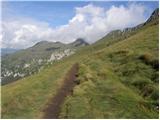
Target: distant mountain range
(31,60)
(20,63)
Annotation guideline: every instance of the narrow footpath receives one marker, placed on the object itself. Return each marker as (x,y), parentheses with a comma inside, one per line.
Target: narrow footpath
(53,109)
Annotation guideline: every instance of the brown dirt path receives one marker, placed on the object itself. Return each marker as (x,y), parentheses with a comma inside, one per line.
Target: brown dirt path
(54,107)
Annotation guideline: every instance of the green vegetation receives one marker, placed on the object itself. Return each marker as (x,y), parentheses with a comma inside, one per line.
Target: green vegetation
(118,79)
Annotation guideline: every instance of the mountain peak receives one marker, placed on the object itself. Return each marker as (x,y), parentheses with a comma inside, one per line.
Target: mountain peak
(41,42)
(79,42)
(154,16)
(80,39)
(57,42)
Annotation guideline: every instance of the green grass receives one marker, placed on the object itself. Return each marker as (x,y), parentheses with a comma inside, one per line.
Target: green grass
(27,97)
(101,94)
(114,82)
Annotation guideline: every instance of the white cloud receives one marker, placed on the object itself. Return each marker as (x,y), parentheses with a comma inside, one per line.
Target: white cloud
(90,22)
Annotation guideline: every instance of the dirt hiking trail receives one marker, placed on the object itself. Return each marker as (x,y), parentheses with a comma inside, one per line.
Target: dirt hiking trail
(53,109)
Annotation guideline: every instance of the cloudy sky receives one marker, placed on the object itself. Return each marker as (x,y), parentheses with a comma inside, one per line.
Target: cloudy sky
(26,23)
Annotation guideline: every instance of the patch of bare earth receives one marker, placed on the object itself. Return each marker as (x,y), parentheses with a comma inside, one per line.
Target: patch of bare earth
(53,109)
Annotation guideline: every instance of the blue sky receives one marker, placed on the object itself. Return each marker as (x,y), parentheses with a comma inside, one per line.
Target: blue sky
(57,13)
(26,23)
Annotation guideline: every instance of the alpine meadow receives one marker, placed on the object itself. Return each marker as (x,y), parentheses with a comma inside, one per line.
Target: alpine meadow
(102,64)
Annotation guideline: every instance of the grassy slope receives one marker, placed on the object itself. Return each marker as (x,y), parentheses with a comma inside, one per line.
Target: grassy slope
(107,90)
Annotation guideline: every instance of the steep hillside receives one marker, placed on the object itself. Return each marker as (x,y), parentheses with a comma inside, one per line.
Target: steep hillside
(118,78)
